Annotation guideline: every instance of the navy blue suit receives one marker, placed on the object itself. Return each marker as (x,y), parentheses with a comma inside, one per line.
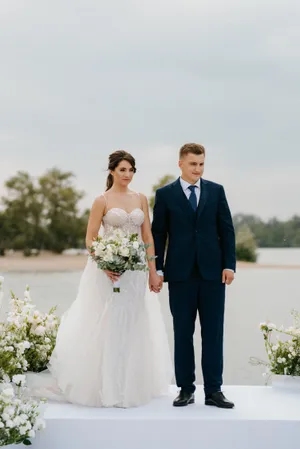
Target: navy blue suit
(192,249)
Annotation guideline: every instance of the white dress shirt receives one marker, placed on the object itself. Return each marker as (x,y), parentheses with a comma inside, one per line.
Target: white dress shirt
(185,187)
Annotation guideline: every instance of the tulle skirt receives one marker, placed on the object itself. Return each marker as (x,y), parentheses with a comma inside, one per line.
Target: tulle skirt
(112,348)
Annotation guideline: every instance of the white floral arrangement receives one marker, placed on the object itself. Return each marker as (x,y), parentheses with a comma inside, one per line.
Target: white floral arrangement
(20,416)
(119,252)
(283,354)
(27,337)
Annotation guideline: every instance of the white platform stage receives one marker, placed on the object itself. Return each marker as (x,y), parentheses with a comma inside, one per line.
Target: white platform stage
(263,418)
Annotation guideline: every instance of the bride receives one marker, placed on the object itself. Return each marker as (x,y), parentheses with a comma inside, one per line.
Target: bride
(112,348)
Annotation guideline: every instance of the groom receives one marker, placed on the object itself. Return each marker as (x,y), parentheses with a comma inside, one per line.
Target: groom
(192,223)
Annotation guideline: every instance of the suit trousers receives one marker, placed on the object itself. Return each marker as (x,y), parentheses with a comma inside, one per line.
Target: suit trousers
(207,298)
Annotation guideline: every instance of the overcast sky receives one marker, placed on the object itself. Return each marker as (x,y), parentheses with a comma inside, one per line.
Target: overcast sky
(79,79)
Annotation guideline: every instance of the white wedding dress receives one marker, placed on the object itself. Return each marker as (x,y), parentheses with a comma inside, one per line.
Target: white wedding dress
(112,348)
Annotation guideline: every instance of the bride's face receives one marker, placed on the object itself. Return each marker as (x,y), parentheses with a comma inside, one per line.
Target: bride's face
(123,173)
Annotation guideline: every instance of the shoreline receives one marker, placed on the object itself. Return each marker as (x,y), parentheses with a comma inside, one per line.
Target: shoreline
(49,262)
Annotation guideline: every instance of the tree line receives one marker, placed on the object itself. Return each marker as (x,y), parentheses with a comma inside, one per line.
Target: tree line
(43,213)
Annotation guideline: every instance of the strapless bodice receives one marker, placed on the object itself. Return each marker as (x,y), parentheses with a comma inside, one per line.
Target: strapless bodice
(128,222)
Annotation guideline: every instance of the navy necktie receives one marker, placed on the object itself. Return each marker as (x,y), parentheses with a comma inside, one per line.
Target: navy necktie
(193,197)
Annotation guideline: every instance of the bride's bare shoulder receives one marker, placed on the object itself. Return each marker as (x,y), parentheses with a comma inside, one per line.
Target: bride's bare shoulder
(144,201)
(100,202)
(143,197)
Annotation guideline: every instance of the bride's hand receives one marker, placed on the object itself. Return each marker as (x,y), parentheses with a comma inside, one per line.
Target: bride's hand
(112,276)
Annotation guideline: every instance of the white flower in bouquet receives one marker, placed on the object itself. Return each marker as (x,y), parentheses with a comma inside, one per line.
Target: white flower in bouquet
(136,245)
(99,251)
(118,253)
(108,257)
(124,251)
(19,415)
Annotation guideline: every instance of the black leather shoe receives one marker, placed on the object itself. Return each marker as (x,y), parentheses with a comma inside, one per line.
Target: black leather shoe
(218,400)
(184,399)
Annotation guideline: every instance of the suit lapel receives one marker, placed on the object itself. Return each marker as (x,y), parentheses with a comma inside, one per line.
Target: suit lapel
(203,198)
(182,200)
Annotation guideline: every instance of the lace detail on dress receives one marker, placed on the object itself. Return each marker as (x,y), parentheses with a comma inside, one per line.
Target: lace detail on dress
(130,223)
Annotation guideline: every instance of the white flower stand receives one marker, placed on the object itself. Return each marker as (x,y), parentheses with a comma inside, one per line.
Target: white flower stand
(291,383)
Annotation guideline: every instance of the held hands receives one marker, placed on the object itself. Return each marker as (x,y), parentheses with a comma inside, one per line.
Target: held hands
(227,277)
(155,282)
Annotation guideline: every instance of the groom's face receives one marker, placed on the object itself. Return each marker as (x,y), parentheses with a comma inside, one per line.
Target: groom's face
(192,167)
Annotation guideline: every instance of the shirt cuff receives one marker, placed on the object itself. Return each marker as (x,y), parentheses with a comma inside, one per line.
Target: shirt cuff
(229,269)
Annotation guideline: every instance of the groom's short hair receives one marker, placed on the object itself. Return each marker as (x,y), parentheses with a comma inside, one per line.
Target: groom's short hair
(194,148)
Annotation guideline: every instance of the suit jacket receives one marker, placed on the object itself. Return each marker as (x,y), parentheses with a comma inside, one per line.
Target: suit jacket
(205,237)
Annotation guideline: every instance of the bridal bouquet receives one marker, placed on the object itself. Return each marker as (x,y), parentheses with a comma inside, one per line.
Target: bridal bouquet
(27,337)
(19,415)
(119,252)
(283,353)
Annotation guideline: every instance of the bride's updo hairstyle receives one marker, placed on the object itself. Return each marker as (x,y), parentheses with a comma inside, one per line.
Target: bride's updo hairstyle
(114,160)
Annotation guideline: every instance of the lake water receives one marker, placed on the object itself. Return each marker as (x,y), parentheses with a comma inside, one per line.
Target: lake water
(279,256)
(257,294)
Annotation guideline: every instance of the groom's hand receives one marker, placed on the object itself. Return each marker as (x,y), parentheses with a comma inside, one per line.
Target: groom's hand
(227,277)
